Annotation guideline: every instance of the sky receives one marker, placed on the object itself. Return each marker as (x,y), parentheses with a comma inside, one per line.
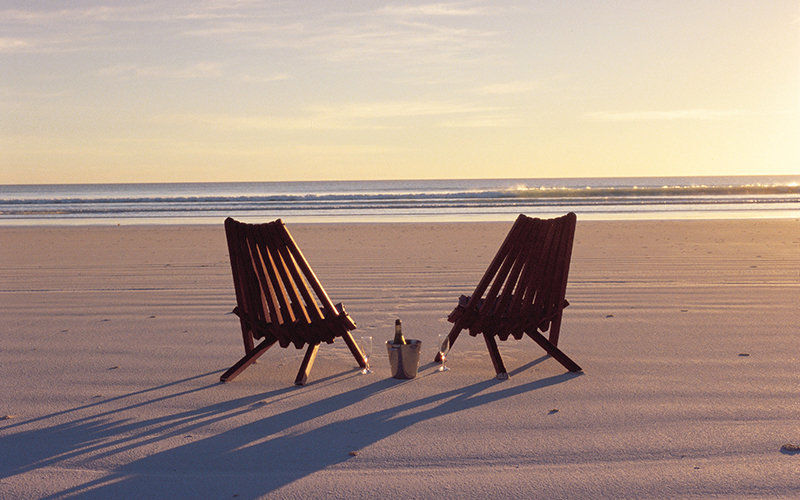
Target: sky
(241,90)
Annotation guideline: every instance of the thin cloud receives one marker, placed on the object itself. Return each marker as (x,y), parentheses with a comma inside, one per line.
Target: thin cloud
(433,9)
(682,114)
(71,16)
(354,116)
(412,36)
(247,78)
(390,35)
(506,88)
(62,30)
(490,121)
(198,70)
(13,44)
(102,27)
(101,14)
(222,121)
(401,109)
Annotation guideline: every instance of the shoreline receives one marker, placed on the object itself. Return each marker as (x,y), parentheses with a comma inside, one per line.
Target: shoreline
(676,215)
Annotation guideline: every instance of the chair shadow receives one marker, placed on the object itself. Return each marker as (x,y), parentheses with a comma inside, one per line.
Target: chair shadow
(229,456)
(530,365)
(107,401)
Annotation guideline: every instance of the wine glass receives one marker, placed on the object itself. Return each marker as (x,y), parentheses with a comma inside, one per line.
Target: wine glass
(444,346)
(366,348)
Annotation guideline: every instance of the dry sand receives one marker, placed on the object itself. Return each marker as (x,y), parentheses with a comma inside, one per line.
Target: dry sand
(112,341)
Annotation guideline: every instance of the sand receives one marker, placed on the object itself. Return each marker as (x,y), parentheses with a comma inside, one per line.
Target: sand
(113,339)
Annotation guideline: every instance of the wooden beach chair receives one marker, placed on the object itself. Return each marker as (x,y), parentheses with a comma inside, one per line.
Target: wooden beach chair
(523,290)
(274,285)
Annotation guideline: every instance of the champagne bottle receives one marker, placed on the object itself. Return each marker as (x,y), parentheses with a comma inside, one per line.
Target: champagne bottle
(398,333)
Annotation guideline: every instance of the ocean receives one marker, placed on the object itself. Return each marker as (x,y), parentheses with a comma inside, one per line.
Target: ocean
(402,201)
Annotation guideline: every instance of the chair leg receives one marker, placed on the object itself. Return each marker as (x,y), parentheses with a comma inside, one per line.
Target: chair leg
(351,344)
(308,362)
(247,360)
(554,351)
(555,329)
(494,353)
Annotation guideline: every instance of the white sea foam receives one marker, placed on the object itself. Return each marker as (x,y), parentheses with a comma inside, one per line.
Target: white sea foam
(436,200)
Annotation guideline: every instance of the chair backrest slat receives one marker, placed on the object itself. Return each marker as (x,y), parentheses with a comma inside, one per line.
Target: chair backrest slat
(501,278)
(562,271)
(243,285)
(271,291)
(517,256)
(267,291)
(294,305)
(539,294)
(311,278)
(311,309)
(526,281)
(276,285)
(498,260)
(303,303)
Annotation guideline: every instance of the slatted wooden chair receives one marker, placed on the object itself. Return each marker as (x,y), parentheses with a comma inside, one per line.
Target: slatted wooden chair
(274,285)
(526,284)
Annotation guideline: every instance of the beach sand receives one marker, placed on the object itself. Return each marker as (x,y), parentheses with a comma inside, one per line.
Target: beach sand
(113,339)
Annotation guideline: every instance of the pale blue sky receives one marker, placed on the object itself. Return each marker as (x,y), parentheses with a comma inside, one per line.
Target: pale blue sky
(258,91)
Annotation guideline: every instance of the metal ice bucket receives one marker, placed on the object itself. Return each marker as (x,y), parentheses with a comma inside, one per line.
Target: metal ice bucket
(404,358)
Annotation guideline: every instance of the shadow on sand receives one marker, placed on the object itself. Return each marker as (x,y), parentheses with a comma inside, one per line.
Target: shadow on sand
(247,461)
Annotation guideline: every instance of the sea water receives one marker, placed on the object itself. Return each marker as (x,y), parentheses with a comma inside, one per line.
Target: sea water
(403,201)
